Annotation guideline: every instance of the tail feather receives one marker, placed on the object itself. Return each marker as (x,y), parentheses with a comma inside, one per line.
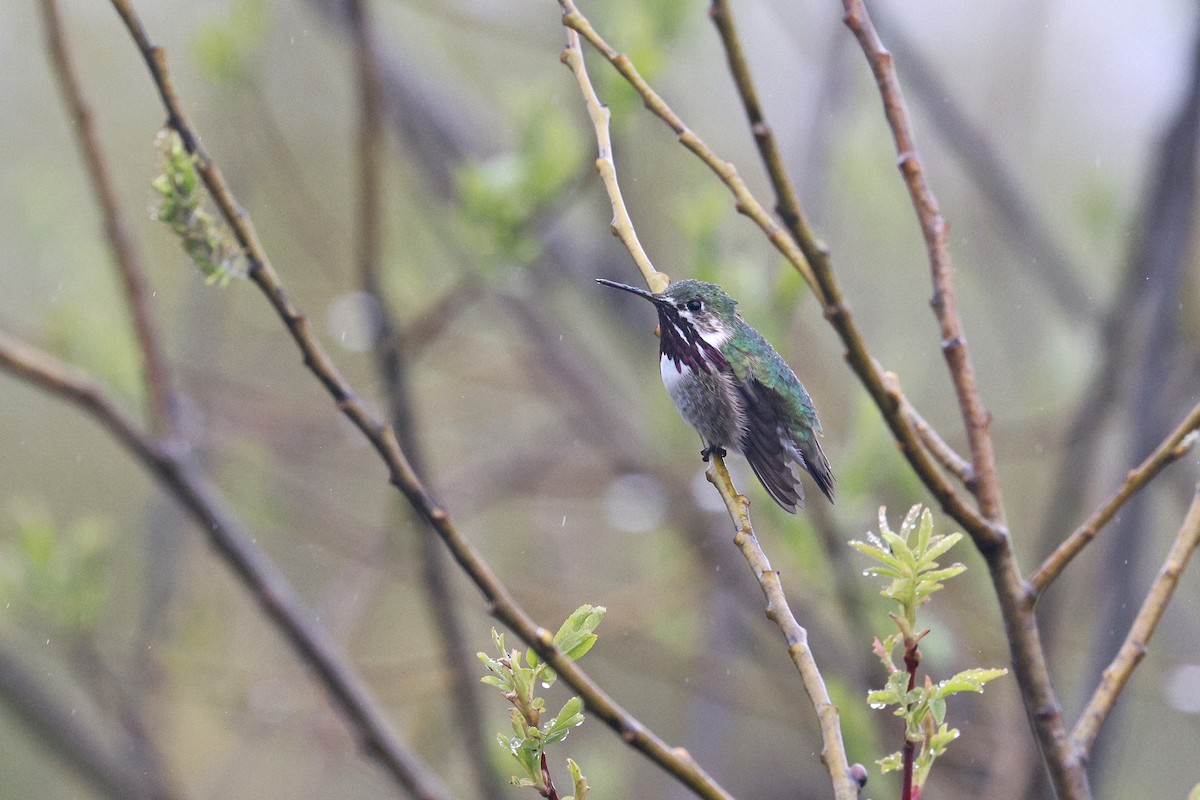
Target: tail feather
(813,459)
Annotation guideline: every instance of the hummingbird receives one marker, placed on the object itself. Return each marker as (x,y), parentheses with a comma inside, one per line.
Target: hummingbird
(735,390)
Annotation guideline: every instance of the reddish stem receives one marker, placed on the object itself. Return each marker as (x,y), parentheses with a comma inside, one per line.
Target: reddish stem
(550,793)
(912,657)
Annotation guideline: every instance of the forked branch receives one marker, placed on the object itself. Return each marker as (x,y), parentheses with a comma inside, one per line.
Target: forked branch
(1175,446)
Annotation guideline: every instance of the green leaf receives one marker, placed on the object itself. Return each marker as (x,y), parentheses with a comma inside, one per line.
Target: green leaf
(569,718)
(577,778)
(891,763)
(938,575)
(940,545)
(900,550)
(971,680)
(575,637)
(937,707)
(924,531)
(879,554)
(203,237)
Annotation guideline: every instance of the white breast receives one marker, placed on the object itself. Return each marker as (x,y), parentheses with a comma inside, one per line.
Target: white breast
(672,377)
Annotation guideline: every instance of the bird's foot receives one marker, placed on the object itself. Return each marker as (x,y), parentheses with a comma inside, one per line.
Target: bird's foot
(707,452)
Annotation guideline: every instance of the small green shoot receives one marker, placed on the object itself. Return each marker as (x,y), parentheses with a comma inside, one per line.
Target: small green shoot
(518,676)
(181,192)
(908,559)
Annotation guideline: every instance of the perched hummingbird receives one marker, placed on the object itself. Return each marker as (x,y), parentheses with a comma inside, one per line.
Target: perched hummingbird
(738,393)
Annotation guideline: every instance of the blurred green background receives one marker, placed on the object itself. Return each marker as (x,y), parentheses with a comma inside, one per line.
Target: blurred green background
(535,394)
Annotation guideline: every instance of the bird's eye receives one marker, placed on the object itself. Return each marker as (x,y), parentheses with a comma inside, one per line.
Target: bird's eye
(694,305)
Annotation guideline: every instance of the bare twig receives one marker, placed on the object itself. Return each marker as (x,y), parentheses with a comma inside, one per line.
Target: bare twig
(779,612)
(177,470)
(622,225)
(159,398)
(1176,445)
(1044,258)
(501,603)
(1134,649)
(954,343)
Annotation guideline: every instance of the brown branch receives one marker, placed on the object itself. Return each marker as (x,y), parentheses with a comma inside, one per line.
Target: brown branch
(1042,256)
(501,604)
(176,468)
(621,225)
(392,366)
(1133,650)
(934,228)
(810,258)
(1176,445)
(946,455)
(159,398)
(778,611)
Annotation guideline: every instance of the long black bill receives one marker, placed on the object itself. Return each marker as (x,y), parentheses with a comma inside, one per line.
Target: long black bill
(651,296)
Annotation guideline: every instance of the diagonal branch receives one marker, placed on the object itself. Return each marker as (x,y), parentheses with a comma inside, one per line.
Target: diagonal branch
(178,471)
(622,224)
(1014,211)
(934,228)
(501,603)
(778,611)
(1175,446)
(1134,649)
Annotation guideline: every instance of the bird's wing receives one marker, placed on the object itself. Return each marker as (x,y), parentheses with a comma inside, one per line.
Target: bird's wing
(763,446)
(774,439)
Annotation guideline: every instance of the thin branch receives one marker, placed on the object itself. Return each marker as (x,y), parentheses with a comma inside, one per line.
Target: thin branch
(810,258)
(1175,446)
(954,343)
(1133,650)
(725,170)
(946,455)
(160,400)
(778,611)
(392,366)
(622,225)
(177,470)
(1043,257)
(501,604)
